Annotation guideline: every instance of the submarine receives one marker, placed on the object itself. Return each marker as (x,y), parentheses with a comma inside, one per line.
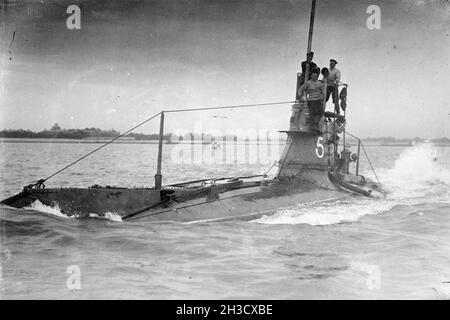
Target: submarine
(314,167)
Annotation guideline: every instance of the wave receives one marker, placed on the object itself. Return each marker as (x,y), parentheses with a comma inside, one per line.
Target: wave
(112,216)
(417,172)
(56,211)
(53,210)
(327,214)
(416,177)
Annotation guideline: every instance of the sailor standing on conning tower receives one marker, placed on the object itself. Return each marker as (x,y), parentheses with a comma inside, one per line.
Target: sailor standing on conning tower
(333,79)
(307,64)
(312,66)
(315,92)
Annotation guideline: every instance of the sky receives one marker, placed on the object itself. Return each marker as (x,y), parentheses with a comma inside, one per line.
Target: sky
(131,59)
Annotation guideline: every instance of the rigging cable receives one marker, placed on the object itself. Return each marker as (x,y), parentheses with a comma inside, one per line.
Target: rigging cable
(230,107)
(40,183)
(102,146)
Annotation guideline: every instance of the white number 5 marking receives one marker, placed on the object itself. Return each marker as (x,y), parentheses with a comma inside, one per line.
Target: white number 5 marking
(319,145)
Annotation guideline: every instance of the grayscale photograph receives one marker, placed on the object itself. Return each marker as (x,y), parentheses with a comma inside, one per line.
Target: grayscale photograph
(224,150)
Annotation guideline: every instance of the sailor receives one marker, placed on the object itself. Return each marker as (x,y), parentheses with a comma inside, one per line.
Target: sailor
(334,77)
(325,72)
(315,92)
(312,65)
(301,76)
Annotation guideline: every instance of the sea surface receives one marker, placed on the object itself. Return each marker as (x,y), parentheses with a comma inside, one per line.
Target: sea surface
(354,248)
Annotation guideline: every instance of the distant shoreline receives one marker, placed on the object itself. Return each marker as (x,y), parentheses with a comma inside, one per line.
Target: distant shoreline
(101,141)
(57,140)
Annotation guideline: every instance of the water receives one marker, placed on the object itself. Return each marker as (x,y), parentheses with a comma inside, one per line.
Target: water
(398,247)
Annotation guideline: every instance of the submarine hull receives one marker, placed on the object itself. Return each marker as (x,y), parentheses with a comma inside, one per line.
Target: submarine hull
(243,203)
(231,199)
(243,207)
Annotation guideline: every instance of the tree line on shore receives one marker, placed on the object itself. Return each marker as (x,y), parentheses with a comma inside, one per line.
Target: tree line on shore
(74,134)
(57,133)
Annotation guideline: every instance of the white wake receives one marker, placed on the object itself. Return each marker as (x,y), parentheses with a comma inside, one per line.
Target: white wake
(416,177)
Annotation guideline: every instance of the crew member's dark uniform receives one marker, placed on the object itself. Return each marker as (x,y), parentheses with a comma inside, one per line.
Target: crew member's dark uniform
(312,66)
(301,77)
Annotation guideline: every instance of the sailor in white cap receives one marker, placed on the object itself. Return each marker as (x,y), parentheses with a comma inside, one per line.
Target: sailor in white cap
(334,77)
